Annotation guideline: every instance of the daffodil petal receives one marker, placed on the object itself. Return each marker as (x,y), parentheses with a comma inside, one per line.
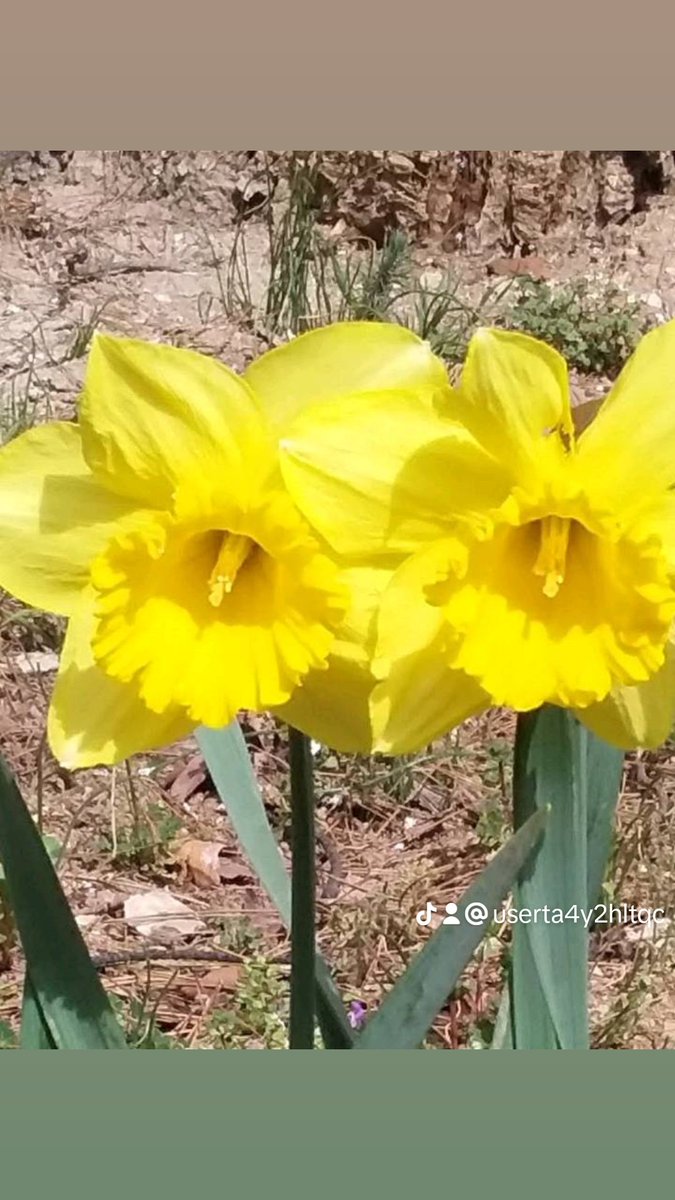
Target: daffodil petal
(655,519)
(419,696)
(154,417)
(54,517)
(628,450)
(333,705)
(348,708)
(421,699)
(514,391)
(330,364)
(379,474)
(640,716)
(406,622)
(94,719)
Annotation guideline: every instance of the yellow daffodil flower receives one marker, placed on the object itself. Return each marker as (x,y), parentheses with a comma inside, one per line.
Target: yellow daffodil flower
(161,527)
(540,565)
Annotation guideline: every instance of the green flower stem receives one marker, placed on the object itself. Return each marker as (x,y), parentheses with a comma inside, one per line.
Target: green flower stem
(303,894)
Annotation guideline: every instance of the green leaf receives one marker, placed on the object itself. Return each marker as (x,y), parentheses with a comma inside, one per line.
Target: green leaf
(71,999)
(53,847)
(604,771)
(408,1011)
(7,1037)
(502,1038)
(555,764)
(549,967)
(228,761)
(531,1023)
(35,1033)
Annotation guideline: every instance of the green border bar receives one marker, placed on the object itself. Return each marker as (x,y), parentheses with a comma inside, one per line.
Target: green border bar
(204,1118)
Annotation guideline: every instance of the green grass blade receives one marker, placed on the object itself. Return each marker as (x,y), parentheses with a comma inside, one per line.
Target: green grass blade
(408,1011)
(550,961)
(228,761)
(67,988)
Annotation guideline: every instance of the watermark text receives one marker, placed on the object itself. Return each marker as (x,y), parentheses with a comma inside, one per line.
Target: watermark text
(477,913)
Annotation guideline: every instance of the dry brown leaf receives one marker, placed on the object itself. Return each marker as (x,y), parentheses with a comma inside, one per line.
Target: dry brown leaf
(189,779)
(201,860)
(206,864)
(225,978)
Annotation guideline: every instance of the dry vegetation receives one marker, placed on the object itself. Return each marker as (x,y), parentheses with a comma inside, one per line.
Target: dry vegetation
(229,253)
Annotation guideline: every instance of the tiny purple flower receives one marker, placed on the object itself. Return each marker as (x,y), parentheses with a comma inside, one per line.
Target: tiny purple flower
(357,1014)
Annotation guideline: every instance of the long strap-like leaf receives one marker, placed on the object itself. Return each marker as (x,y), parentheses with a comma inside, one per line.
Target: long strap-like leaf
(63,982)
(229,763)
(604,771)
(559,763)
(549,1006)
(35,1033)
(604,766)
(408,1011)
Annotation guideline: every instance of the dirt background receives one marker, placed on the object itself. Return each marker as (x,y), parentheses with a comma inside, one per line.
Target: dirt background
(140,243)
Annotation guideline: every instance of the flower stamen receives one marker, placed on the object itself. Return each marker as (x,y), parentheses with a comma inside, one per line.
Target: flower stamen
(234,550)
(551,560)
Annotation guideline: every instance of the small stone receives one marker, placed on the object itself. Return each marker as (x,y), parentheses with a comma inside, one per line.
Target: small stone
(653,300)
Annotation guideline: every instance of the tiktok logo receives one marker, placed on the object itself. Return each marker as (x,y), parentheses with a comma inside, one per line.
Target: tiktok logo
(424,915)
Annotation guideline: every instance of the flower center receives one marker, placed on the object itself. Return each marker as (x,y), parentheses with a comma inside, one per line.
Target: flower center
(235,548)
(554,535)
(210,620)
(556,608)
